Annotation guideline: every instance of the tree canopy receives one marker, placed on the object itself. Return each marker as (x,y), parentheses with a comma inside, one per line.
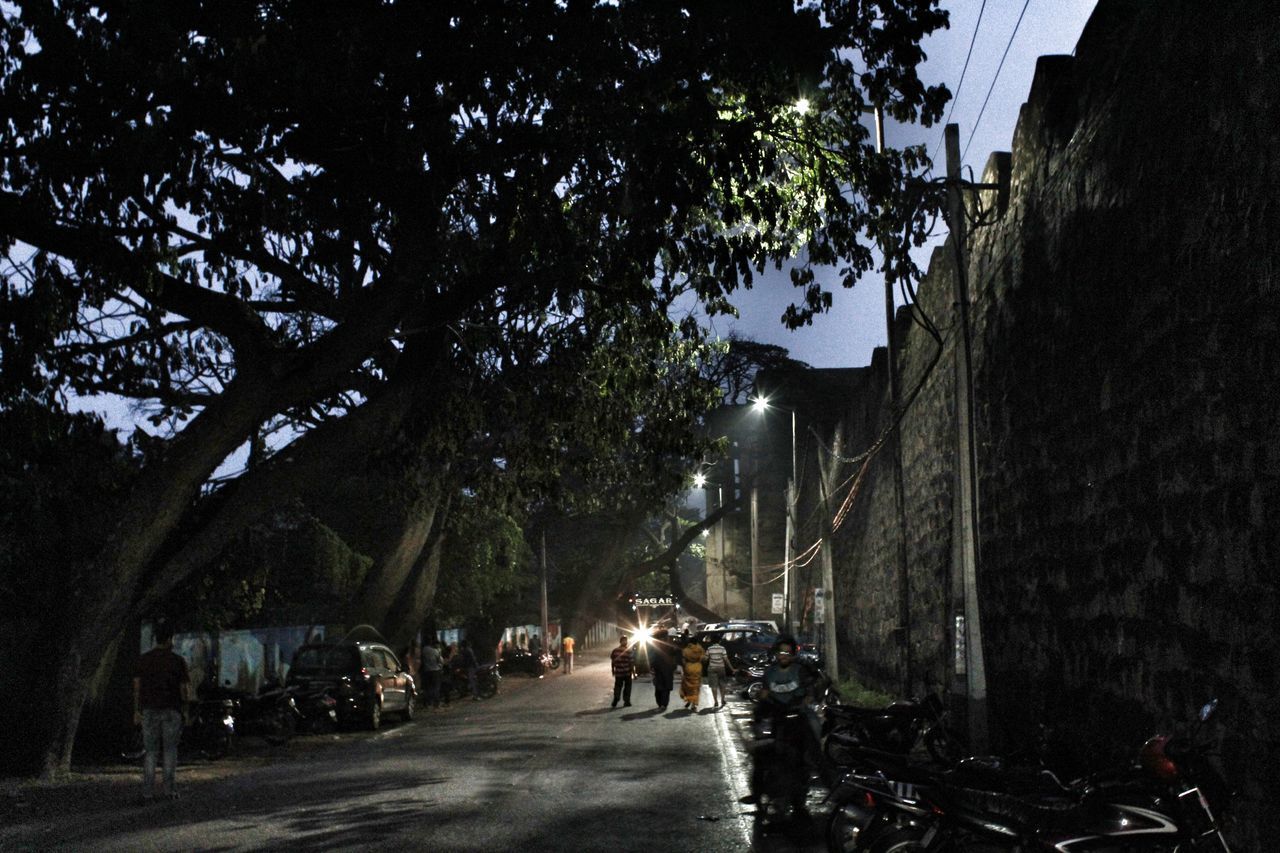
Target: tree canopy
(291,225)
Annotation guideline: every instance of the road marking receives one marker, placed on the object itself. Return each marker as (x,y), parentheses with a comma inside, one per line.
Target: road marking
(738,781)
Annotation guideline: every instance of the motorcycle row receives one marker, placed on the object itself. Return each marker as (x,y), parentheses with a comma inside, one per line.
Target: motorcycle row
(277,712)
(899,779)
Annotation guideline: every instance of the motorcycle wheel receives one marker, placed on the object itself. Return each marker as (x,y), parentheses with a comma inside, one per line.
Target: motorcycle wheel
(837,751)
(754,690)
(280,727)
(555,663)
(907,839)
(488,687)
(216,746)
(845,828)
(945,746)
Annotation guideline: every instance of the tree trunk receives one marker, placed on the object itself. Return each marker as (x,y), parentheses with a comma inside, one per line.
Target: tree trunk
(105,597)
(419,591)
(394,567)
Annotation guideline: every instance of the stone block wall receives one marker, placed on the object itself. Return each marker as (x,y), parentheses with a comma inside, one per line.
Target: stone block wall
(1126,308)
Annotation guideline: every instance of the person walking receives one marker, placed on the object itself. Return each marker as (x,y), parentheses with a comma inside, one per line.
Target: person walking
(716,669)
(161,691)
(691,674)
(432,670)
(624,664)
(662,663)
(567,647)
(469,665)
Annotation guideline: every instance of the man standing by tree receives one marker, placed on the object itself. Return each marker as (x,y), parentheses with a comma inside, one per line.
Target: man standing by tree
(624,664)
(161,690)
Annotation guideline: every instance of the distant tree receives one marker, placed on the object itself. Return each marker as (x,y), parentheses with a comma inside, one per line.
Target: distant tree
(249,217)
(737,360)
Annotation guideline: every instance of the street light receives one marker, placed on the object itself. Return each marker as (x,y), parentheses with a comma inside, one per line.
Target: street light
(761,404)
(700,482)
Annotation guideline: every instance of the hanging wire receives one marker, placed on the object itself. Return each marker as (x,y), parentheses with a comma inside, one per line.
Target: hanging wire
(999,67)
(972,40)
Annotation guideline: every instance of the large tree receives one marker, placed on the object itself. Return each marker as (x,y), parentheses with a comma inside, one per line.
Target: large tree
(247,217)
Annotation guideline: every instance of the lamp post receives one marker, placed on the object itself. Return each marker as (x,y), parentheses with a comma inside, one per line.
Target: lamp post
(761,405)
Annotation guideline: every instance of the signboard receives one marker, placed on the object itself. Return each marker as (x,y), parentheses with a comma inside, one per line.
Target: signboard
(962,653)
(778,603)
(655,601)
(819,606)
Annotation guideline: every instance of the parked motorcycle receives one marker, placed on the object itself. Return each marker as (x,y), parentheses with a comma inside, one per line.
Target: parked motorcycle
(1172,798)
(272,713)
(453,683)
(212,726)
(749,676)
(898,728)
(317,707)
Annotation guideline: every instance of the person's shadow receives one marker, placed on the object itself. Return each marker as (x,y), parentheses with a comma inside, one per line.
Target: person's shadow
(642,715)
(592,712)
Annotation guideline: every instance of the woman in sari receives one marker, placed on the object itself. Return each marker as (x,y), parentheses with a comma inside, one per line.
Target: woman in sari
(691,674)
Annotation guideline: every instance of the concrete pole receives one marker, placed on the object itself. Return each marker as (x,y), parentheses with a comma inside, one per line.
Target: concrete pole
(970,637)
(755,547)
(829,651)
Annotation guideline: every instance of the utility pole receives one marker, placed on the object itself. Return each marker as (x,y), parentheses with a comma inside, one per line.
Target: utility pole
(830,657)
(969,660)
(789,550)
(755,545)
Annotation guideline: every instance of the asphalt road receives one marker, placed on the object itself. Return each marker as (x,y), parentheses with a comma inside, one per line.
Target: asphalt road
(544,765)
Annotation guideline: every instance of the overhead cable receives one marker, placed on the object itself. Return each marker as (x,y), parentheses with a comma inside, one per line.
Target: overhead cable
(999,67)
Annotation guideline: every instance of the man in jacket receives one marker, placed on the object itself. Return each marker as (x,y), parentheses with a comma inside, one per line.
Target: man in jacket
(161,690)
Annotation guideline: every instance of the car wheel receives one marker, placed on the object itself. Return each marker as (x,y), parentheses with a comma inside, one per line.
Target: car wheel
(374,720)
(410,699)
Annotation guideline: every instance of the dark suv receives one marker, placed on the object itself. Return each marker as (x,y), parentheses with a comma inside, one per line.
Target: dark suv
(368,679)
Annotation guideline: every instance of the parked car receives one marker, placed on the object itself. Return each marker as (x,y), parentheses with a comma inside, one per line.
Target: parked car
(740,643)
(367,678)
(766,625)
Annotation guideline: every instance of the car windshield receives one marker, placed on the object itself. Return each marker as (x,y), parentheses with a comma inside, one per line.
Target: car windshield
(323,659)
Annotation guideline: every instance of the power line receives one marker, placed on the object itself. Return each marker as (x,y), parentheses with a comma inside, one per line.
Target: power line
(978,120)
(972,40)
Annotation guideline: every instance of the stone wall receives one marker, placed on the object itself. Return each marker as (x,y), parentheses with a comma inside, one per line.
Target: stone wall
(1125,307)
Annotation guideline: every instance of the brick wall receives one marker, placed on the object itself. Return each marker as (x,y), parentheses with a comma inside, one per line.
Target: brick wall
(1126,308)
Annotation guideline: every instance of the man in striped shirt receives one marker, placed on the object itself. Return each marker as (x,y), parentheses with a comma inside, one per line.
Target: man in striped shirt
(716,668)
(624,663)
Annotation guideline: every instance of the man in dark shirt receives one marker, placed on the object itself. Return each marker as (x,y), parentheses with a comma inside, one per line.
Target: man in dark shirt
(161,690)
(624,663)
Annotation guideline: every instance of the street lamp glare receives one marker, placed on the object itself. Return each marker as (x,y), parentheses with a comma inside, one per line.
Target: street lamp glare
(699,480)
(760,403)
(802,106)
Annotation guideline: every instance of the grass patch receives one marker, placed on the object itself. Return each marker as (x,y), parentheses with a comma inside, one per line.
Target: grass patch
(854,692)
